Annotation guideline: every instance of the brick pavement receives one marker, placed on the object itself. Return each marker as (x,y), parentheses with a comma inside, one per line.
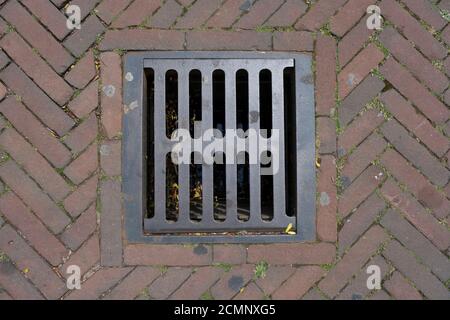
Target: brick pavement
(383,128)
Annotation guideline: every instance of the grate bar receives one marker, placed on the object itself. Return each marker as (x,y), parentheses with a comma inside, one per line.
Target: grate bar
(183,169)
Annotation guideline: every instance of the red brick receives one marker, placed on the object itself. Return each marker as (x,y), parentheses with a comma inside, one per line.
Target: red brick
(416,153)
(134,283)
(31,228)
(412,29)
(34,164)
(229,254)
(111,224)
(353,41)
(419,66)
(260,11)
(282,254)
(297,285)
(3,91)
(136,13)
(293,41)
(427,12)
(400,288)
(358,69)
(80,40)
(319,14)
(446,37)
(226,15)
(47,79)
(325,75)
(232,282)
(16,284)
(86,6)
(359,130)
(185,3)
(197,284)
(313,294)
(30,193)
(49,15)
(82,167)
(37,36)
(87,101)
(348,15)
(360,159)
(416,123)
(98,284)
(275,277)
(288,13)
(250,292)
(326,129)
(228,40)
(416,183)
(166,15)
(86,257)
(81,229)
(358,98)
(416,214)
(360,189)
(327,206)
(352,261)
(108,9)
(36,100)
(82,197)
(422,278)
(416,242)
(198,14)
(137,39)
(110,158)
(80,137)
(111,100)
(24,257)
(81,73)
(168,283)
(359,221)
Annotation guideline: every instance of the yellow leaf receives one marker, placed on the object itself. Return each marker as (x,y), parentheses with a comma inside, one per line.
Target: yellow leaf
(291,232)
(318,163)
(288,228)
(26,270)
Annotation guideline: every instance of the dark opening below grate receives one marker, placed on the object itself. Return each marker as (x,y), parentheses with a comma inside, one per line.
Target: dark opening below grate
(230,201)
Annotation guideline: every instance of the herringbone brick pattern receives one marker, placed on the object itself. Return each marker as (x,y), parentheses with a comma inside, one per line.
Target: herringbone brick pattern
(383,163)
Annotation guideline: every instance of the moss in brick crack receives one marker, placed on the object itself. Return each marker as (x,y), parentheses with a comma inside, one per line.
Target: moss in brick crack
(163,269)
(3,257)
(261,269)
(445,14)
(376,104)
(207,296)
(438,64)
(120,51)
(376,73)
(327,266)
(224,266)
(264,29)
(325,30)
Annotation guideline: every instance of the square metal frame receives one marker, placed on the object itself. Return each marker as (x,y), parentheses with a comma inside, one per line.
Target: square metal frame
(134,136)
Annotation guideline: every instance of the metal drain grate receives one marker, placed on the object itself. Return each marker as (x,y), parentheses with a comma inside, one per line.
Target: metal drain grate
(261,181)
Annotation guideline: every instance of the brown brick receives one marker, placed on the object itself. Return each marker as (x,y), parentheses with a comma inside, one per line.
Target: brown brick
(352,261)
(282,254)
(298,284)
(416,242)
(293,41)
(226,15)
(327,206)
(36,68)
(30,227)
(137,39)
(86,257)
(360,189)
(87,101)
(232,282)
(348,15)
(422,278)
(130,287)
(229,40)
(319,14)
(108,9)
(111,96)
(198,14)
(81,73)
(288,13)
(325,75)
(80,137)
(110,157)
(79,41)
(197,284)
(250,292)
(275,277)
(352,75)
(326,129)
(412,29)
(415,153)
(259,13)
(82,167)
(416,214)
(30,193)
(352,42)
(166,15)
(98,284)
(24,257)
(400,288)
(427,12)
(86,6)
(82,197)
(359,221)
(81,229)
(16,284)
(111,224)
(36,100)
(229,254)
(34,164)
(162,288)
(136,13)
